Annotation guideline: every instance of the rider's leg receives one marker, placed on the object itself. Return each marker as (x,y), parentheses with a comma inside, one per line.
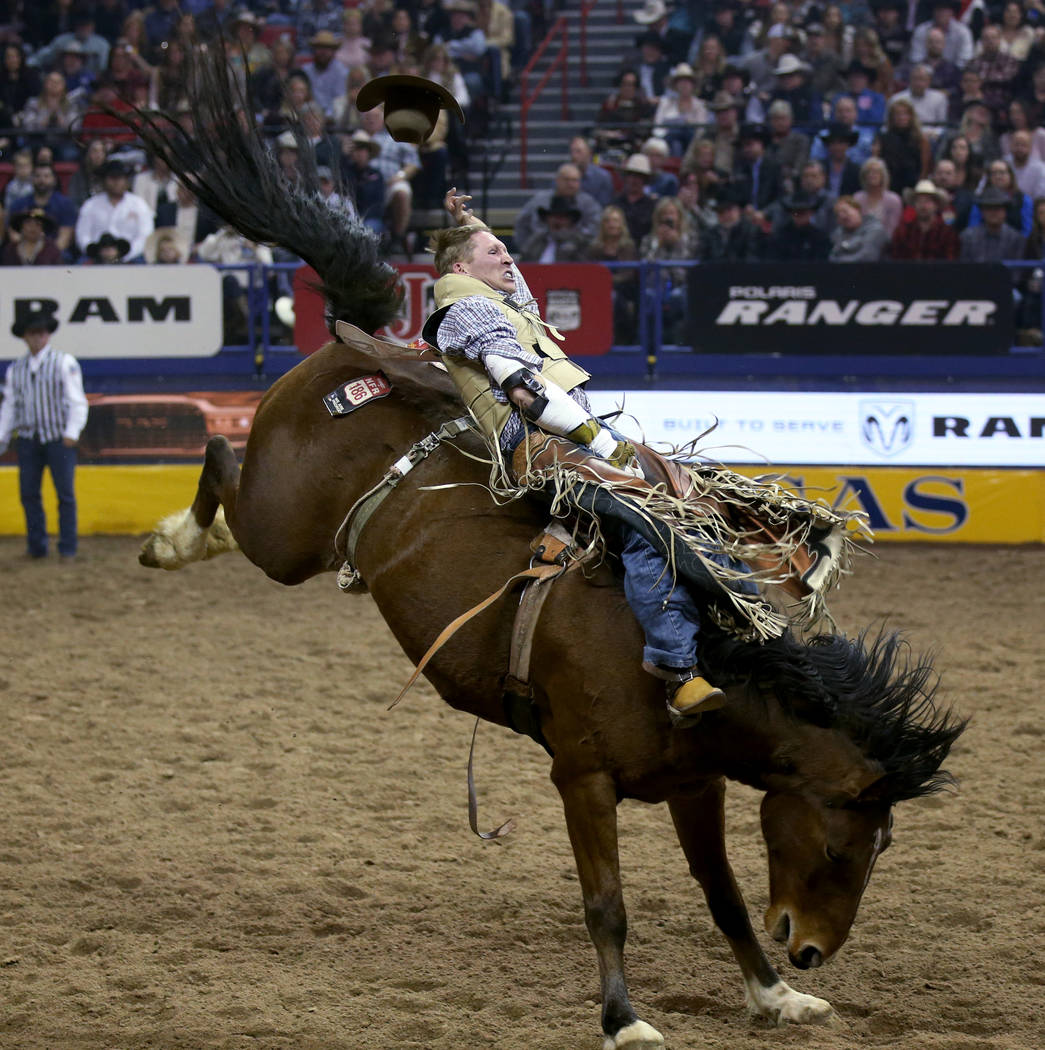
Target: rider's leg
(671,622)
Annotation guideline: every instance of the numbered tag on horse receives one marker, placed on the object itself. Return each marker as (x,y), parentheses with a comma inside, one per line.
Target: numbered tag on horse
(356,393)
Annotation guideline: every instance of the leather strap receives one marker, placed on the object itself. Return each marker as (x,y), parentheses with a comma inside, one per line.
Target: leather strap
(536,572)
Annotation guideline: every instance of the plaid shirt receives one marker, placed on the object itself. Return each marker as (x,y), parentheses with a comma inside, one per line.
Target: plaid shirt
(474,328)
(938,242)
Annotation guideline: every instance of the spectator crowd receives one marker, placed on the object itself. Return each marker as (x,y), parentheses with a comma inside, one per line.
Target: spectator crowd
(735,130)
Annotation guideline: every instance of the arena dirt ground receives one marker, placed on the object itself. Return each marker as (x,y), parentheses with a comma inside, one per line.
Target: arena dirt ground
(215,836)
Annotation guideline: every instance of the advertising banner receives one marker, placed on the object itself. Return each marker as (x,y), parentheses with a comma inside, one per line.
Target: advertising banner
(117,312)
(576,298)
(895,429)
(933,505)
(851,308)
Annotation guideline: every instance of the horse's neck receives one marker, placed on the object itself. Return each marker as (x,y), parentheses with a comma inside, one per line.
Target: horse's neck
(760,745)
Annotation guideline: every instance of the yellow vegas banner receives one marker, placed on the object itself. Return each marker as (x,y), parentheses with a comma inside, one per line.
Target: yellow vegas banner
(962,505)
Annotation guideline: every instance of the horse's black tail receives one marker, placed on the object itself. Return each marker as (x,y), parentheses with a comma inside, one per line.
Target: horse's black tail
(226,163)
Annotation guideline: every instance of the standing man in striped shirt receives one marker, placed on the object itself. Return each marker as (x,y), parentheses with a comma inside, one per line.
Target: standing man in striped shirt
(45,405)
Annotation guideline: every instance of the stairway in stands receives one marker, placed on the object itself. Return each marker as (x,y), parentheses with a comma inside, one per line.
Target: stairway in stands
(497,162)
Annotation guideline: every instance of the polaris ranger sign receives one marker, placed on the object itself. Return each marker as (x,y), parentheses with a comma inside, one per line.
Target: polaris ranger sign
(851,308)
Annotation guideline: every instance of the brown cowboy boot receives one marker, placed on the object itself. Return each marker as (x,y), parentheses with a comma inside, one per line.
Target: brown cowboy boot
(689,699)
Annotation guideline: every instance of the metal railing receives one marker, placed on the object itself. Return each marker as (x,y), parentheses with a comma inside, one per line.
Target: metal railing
(560,29)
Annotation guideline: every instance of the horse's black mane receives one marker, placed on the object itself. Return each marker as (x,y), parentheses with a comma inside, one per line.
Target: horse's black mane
(227,164)
(872,688)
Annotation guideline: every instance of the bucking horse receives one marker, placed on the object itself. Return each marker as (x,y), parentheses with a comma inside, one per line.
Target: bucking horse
(834,731)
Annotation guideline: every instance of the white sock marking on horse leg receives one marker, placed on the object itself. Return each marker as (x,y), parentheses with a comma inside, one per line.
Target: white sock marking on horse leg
(781,1004)
(636,1036)
(176,541)
(219,536)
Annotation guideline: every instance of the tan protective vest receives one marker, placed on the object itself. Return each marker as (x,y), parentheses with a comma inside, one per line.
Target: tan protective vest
(470,376)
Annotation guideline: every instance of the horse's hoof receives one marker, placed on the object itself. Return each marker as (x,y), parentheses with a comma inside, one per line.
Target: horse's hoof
(781,1004)
(158,553)
(636,1036)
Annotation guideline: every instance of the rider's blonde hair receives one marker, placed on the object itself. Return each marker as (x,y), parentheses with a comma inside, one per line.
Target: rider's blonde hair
(453,244)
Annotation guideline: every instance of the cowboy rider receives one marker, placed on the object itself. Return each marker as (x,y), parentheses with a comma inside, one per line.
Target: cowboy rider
(484,322)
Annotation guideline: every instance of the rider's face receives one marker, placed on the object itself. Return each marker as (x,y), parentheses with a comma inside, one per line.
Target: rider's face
(490,263)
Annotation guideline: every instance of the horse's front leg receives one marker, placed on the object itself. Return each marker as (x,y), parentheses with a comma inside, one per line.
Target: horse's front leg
(590,802)
(700,823)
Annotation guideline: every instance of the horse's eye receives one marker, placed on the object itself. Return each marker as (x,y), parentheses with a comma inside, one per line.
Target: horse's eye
(833,855)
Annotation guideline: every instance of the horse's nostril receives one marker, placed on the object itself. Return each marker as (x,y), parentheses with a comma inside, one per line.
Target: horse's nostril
(808,958)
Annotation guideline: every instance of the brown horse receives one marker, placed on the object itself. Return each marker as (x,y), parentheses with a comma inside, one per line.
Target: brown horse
(834,732)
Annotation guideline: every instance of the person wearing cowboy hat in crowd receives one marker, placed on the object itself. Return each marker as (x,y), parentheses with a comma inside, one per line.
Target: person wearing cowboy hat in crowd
(72,64)
(35,245)
(47,196)
(798,239)
(675,33)
(117,211)
(96,47)
(680,113)
(558,237)
(811,181)
(662,183)
(734,238)
(925,236)
(862,137)
(793,85)
(843,174)
(45,409)
(363,182)
(634,200)
(325,73)
(725,135)
(758,175)
(106,251)
(994,240)
(244,26)
(651,66)
(957,38)
(870,104)
(567,184)
(762,64)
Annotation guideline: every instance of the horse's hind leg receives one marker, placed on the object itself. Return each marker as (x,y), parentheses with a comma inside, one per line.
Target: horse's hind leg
(203,530)
(590,803)
(700,823)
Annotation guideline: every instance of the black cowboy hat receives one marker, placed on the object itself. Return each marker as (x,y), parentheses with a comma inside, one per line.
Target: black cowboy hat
(840,132)
(755,131)
(728,194)
(114,167)
(732,70)
(800,200)
(859,67)
(412,105)
(107,240)
(39,214)
(560,205)
(37,320)
(992,197)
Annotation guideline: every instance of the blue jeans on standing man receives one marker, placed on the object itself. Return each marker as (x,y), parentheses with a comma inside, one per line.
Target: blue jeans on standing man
(33,456)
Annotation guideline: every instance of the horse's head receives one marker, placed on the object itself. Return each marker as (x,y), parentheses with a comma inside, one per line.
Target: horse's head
(858,732)
(822,850)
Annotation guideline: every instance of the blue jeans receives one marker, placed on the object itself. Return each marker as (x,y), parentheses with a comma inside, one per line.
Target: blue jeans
(33,456)
(662,604)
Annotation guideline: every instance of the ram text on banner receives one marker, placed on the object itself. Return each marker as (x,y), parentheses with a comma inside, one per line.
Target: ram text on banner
(851,308)
(117,311)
